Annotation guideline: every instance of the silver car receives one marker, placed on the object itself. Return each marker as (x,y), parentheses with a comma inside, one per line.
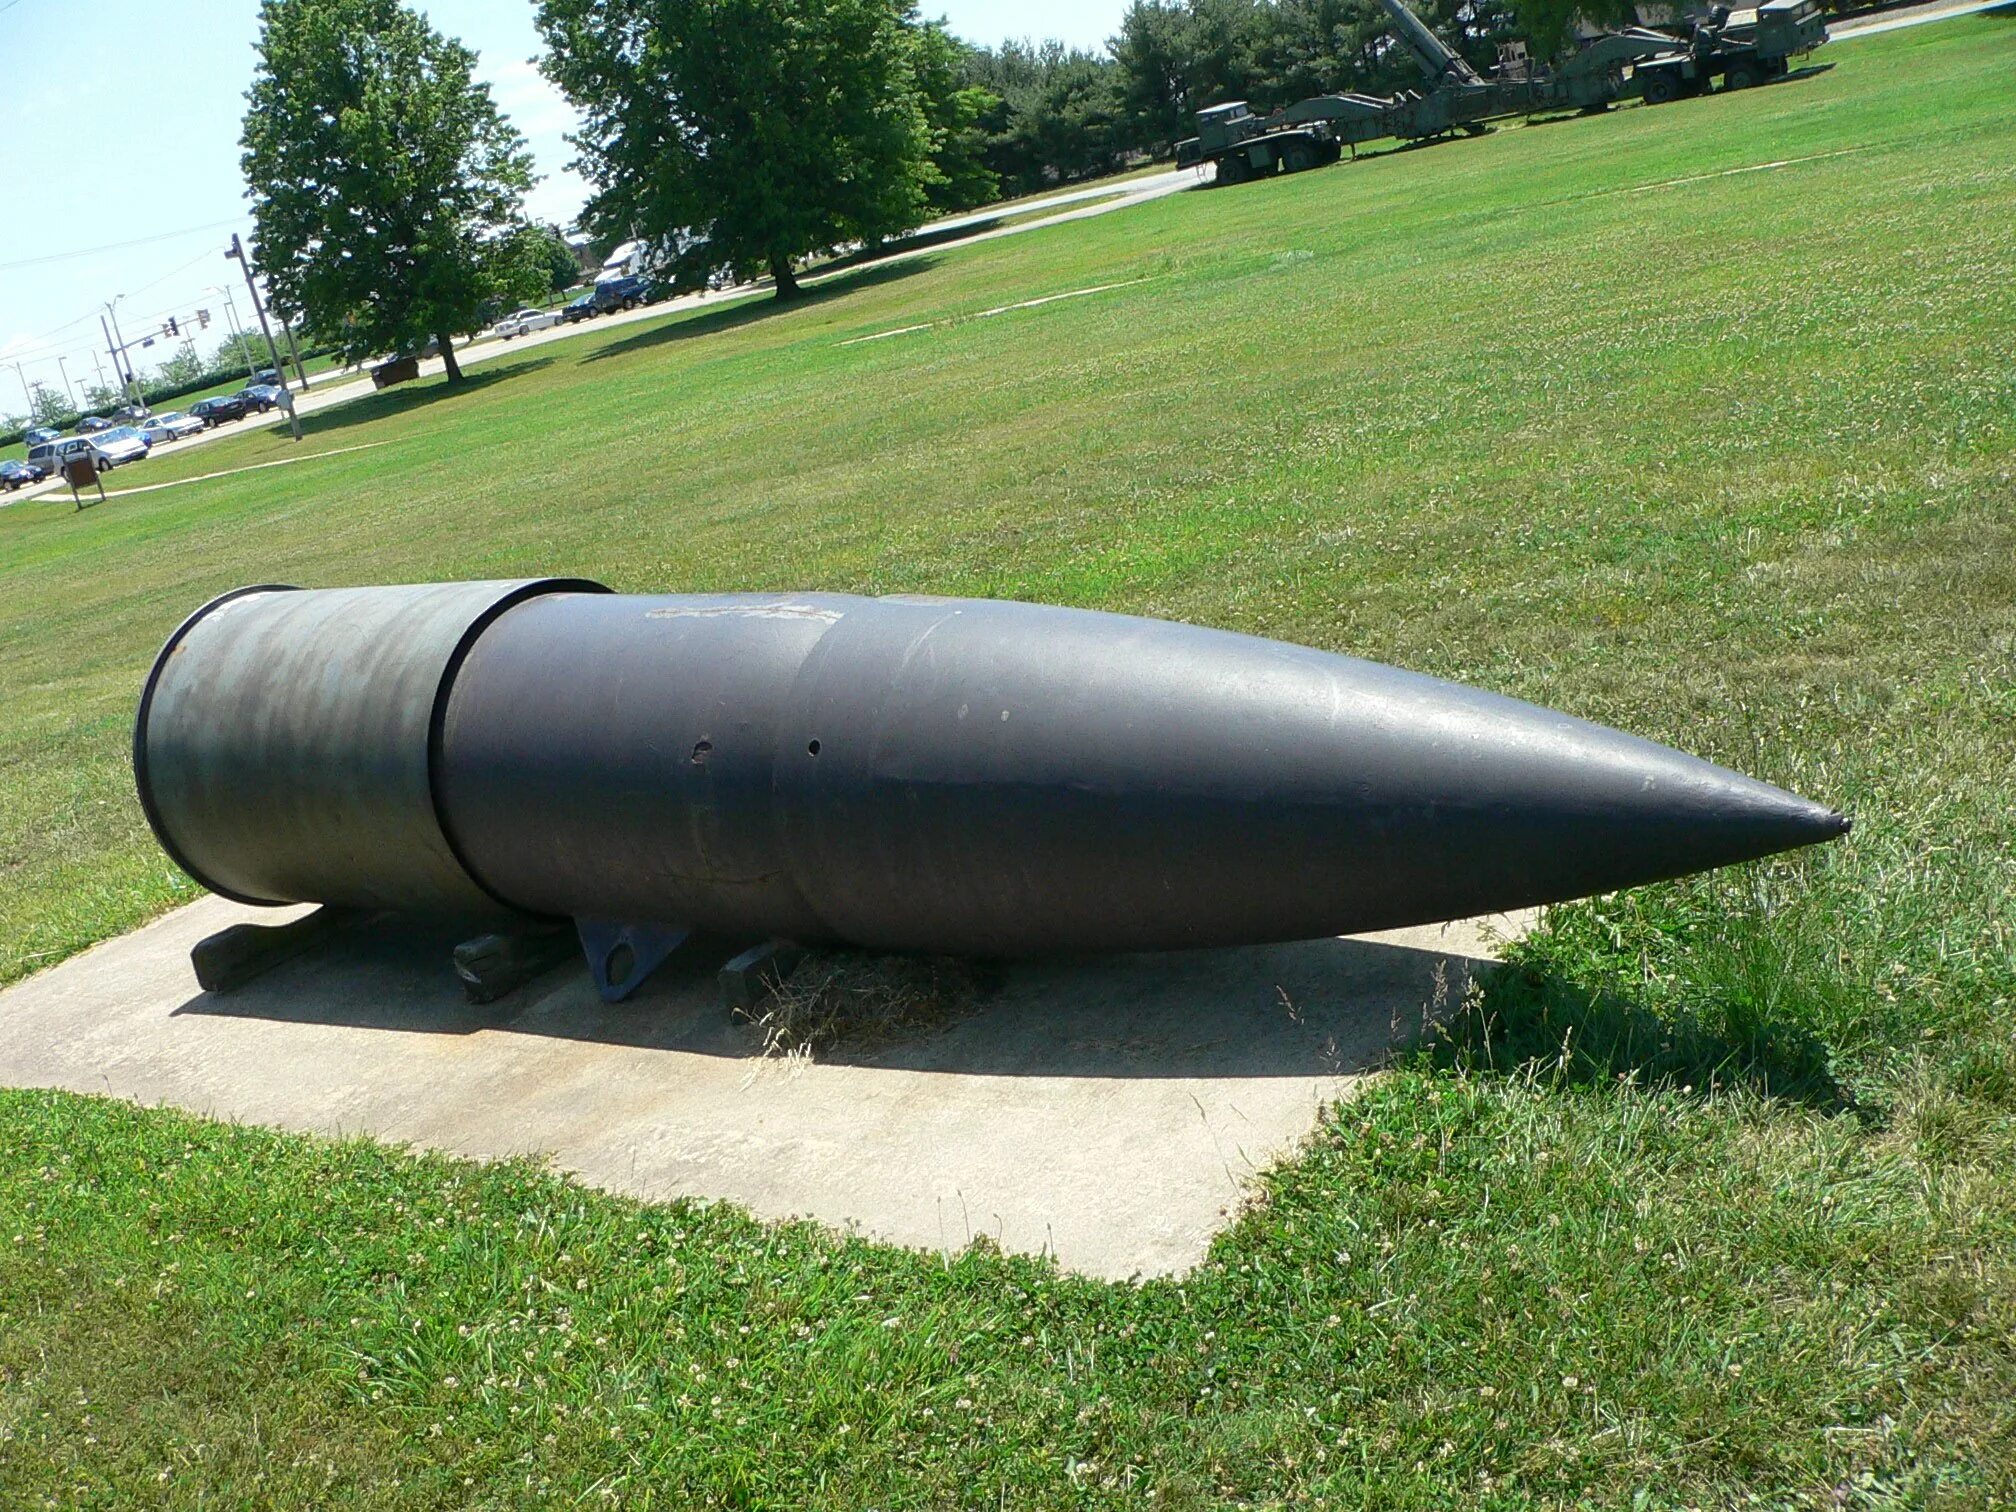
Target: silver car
(108,448)
(172,426)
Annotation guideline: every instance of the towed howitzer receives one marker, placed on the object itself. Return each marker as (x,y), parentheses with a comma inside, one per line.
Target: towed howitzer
(941,775)
(1743,47)
(1740,48)
(1313,132)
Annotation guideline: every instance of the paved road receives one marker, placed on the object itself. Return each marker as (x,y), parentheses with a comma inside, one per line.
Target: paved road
(340,387)
(1148,186)
(1870,26)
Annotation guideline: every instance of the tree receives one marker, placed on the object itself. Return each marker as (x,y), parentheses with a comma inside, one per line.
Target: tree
(51,406)
(235,352)
(1153,53)
(1548,24)
(386,186)
(957,111)
(742,134)
(1059,117)
(183,369)
(562,267)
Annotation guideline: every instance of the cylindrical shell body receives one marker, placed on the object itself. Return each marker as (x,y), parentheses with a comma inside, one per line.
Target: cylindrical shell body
(998,778)
(282,748)
(962,776)
(618,758)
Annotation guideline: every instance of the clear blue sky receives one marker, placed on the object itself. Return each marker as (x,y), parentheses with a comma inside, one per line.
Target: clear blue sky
(122,178)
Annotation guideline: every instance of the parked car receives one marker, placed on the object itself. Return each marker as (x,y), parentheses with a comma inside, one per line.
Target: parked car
(109,448)
(92,423)
(269,378)
(579,309)
(260,396)
(624,293)
(524,322)
(36,433)
(122,443)
(15,475)
(130,414)
(172,426)
(214,411)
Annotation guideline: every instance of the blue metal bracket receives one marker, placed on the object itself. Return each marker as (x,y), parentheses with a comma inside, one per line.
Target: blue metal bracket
(621,956)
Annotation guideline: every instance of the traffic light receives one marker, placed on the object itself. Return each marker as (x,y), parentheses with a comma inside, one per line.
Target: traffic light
(171,327)
(202,320)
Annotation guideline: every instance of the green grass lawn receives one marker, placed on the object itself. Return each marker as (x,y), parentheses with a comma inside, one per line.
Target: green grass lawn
(1707,1202)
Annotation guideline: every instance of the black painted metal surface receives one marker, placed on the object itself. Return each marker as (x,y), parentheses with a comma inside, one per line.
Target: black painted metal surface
(281,749)
(990,778)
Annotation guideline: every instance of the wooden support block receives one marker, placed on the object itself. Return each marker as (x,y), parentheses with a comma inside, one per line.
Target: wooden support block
(494,965)
(756,973)
(232,957)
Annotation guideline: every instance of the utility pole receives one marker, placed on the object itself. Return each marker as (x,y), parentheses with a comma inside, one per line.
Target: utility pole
(238,251)
(69,391)
(99,365)
(119,362)
(23,376)
(237,328)
(299,371)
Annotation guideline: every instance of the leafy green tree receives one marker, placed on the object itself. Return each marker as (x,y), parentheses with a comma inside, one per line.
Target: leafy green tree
(386,186)
(1153,54)
(236,354)
(51,407)
(958,111)
(563,268)
(742,134)
(185,367)
(1178,56)
(1547,24)
(1060,116)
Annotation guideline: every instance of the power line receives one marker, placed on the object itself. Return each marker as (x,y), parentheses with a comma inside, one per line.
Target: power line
(41,348)
(174,273)
(138,241)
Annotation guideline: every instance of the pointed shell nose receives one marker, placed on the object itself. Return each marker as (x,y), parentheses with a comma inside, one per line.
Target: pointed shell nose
(1037,778)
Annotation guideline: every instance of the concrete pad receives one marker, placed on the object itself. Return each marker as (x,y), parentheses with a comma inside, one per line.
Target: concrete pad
(1108,1112)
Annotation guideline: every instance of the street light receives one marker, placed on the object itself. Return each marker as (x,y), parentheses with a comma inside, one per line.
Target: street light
(20,373)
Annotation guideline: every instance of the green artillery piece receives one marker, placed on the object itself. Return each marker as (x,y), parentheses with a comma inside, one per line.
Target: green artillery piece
(1740,48)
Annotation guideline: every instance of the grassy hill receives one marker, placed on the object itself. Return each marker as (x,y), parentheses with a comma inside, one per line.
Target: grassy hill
(1696,420)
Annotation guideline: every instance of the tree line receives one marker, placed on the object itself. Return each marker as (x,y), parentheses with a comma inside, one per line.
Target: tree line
(736,138)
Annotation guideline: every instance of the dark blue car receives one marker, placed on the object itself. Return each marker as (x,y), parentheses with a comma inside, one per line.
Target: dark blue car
(15,475)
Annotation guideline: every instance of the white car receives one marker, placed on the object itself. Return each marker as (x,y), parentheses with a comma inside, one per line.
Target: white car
(524,322)
(108,448)
(172,426)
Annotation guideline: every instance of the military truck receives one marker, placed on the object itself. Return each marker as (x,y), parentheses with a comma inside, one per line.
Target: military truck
(1315,131)
(1740,47)
(1247,146)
